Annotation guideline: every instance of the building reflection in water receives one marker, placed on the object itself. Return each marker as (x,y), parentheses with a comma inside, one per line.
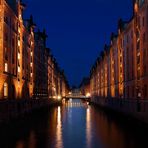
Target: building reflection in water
(29,142)
(66,127)
(114,132)
(20,144)
(32,140)
(59,140)
(73,103)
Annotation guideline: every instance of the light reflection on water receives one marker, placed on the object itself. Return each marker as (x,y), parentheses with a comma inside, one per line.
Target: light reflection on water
(59,139)
(88,128)
(73,125)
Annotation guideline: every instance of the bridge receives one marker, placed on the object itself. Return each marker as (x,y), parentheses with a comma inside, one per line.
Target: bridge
(76,94)
(76,97)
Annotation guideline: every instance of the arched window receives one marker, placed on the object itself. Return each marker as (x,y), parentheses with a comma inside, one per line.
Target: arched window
(6,67)
(5,90)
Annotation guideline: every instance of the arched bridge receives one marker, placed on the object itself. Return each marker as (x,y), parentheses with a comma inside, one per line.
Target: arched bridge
(77,96)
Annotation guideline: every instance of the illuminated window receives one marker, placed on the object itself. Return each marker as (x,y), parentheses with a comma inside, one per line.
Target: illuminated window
(20,16)
(19,56)
(5,90)
(19,30)
(6,67)
(19,43)
(19,70)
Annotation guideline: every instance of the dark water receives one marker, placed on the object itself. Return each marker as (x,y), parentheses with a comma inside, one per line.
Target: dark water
(74,125)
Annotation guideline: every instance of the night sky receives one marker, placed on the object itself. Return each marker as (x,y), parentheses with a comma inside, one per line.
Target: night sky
(78,29)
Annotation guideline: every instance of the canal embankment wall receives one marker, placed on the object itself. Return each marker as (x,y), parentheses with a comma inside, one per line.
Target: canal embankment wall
(13,109)
(135,108)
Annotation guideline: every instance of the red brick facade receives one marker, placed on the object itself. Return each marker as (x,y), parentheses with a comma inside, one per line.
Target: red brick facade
(121,70)
(27,69)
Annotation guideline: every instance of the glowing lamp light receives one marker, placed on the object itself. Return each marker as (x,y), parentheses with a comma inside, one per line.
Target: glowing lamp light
(19,30)
(136,7)
(69,93)
(19,69)
(31,43)
(59,97)
(20,16)
(88,95)
(6,67)
(19,56)
(19,43)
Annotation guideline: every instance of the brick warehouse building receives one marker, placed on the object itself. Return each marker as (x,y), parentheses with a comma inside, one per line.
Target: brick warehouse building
(121,70)
(16,38)
(40,66)
(24,57)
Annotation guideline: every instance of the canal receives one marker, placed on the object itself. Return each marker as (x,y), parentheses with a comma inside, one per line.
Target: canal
(75,124)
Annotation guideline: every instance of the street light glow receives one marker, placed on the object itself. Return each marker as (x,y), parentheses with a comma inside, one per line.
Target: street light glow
(88,95)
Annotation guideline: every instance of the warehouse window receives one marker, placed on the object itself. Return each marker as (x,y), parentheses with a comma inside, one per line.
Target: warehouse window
(5,90)
(6,67)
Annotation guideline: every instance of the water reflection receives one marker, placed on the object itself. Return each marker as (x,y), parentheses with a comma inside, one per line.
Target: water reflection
(59,140)
(32,140)
(88,128)
(73,125)
(20,144)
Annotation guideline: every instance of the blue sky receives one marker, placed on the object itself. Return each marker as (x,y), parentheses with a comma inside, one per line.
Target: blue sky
(78,29)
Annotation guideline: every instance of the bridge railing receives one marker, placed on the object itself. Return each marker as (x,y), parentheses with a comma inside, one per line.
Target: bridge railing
(78,97)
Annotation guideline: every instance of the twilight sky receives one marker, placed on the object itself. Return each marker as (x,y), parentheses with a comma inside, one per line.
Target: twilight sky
(78,29)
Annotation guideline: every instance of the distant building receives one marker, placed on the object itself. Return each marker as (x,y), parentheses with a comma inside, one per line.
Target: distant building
(75,92)
(40,65)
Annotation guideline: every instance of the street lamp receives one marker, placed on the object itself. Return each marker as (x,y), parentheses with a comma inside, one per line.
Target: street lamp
(88,95)
(59,97)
